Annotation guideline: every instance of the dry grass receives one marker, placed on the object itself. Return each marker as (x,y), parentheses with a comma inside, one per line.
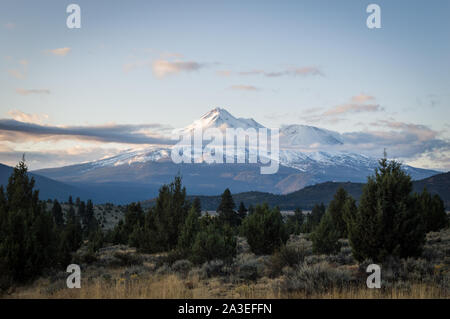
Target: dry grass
(171,286)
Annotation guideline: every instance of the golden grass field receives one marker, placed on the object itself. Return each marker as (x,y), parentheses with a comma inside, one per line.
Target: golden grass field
(173,287)
(151,276)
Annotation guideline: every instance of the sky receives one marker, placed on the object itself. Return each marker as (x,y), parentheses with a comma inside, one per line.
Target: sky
(137,69)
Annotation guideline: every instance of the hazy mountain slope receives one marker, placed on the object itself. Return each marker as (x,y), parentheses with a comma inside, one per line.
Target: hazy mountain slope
(48,188)
(323,193)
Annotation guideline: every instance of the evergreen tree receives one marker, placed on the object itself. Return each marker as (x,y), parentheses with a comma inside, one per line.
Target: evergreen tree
(294,222)
(242,211)
(226,209)
(213,241)
(313,219)
(264,230)
(169,215)
(325,236)
(189,232)
(71,237)
(28,237)
(197,206)
(336,210)
(57,213)
(388,221)
(82,213)
(433,211)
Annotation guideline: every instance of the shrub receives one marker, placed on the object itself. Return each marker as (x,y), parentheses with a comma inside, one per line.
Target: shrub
(316,278)
(182,266)
(213,268)
(128,259)
(248,267)
(214,242)
(292,254)
(264,230)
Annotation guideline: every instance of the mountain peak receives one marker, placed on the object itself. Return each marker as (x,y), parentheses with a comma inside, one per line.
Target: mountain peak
(222,119)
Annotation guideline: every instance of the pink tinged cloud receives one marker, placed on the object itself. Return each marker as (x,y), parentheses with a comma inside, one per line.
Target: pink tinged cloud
(353,108)
(25,92)
(162,68)
(242,87)
(60,51)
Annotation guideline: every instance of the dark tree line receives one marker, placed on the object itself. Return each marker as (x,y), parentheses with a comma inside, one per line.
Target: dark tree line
(33,239)
(390,220)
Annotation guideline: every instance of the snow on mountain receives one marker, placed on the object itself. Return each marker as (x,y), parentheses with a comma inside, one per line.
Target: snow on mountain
(304,135)
(221,119)
(302,163)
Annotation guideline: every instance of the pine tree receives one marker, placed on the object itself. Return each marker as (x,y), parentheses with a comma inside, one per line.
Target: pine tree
(169,215)
(197,206)
(325,236)
(433,211)
(388,221)
(28,237)
(264,230)
(226,209)
(336,210)
(294,222)
(313,219)
(71,237)
(57,213)
(242,211)
(213,241)
(189,232)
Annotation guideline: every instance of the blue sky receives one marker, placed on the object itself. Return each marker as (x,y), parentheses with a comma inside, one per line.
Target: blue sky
(280,62)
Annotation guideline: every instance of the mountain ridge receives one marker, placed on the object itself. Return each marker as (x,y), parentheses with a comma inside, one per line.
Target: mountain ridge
(152,166)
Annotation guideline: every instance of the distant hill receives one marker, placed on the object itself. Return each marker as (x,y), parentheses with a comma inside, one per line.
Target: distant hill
(48,188)
(437,184)
(307,197)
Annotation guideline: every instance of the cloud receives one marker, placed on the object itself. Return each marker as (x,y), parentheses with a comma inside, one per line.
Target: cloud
(292,71)
(162,68)
(28,118)
(13,130)
(56,157)
(242,87)
(10,25)
(362,98)
(127,67)
(17,74)
(225,73)
(251,72)
(60,51)
(353,108)
(402,140)
(305,71)
(22,91)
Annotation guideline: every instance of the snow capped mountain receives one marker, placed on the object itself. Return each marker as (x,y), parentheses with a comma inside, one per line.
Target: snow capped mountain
(302,163)
(221,119)
(304,135)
